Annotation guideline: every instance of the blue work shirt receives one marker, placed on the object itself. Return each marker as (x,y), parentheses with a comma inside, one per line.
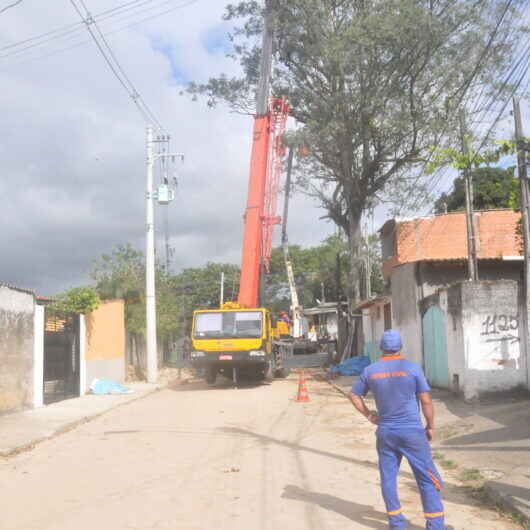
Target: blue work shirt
(395,384)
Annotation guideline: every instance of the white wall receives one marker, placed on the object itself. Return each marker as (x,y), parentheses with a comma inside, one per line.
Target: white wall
(406,317)
(491,333)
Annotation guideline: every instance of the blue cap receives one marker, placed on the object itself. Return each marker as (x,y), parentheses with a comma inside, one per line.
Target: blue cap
(391,340)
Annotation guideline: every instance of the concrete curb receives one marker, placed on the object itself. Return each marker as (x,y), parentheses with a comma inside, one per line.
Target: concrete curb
(496,494)
(70,425)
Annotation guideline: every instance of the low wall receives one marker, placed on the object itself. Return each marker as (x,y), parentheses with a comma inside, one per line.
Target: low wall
(483,322)
(16,348)
(491,323)
(105,342)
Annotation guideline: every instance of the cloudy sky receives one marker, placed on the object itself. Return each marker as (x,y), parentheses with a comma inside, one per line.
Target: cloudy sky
(73,144)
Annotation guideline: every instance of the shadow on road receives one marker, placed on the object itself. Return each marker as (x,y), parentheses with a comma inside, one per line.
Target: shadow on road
(191,386)
(359,513)
(452,492)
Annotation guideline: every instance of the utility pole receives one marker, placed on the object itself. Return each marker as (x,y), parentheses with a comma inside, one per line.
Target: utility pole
(150,295)
(471,241)
(525,219)
(222,297)
(150,292)
(295,303)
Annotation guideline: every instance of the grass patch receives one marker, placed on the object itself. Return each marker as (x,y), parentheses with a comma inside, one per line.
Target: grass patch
(470,474)
(481,495)
(444,463)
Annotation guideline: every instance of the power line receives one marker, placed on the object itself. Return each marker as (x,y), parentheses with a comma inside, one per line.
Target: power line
(123,12)
(10,6)
(115,66)
(107,33)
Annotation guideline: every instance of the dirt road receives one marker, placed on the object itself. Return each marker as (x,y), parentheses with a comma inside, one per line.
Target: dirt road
(196,458)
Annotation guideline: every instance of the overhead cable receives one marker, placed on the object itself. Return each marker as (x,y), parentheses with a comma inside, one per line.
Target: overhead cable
(121,13)
(10,6)
(115,66)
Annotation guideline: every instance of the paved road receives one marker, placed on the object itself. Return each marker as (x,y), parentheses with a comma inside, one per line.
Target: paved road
(195,458)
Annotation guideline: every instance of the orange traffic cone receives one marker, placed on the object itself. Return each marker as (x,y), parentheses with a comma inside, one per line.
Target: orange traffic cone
(302,396)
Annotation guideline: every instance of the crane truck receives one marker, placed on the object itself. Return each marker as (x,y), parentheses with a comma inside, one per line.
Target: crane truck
(238,338)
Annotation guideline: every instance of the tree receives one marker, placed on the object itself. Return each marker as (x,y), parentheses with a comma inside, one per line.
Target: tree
(121,274)
(80,300)
(493,187)
(320,272)
(373,84)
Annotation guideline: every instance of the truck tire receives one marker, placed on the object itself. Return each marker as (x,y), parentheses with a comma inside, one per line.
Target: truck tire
(211,375)
(268,376)
(282,373)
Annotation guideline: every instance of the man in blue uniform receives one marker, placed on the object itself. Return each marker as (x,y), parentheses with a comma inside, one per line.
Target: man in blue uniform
(397,386)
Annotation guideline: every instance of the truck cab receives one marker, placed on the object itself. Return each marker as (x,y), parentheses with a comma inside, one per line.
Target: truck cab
(233,341)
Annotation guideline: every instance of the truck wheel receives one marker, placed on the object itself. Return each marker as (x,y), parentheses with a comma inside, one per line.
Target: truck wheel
(268,376)
(211,375)
(282,373)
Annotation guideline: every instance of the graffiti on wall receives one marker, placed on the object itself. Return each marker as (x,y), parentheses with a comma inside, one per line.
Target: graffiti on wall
(499,337)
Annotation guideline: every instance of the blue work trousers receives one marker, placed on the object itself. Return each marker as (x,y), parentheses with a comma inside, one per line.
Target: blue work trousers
(392,445)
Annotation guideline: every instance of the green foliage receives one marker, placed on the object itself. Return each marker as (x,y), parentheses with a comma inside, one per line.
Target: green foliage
(474,158)
(78,300)
(121,274)
(373,85)
(492,188)
(459,160)
(321,272)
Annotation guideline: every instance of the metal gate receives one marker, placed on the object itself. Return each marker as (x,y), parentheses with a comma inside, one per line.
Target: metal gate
(61,355)
(435,348)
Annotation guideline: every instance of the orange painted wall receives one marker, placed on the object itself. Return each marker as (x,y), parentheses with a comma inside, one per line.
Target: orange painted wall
(105,330)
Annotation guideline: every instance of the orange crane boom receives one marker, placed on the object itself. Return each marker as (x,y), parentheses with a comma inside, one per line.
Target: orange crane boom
(263,187)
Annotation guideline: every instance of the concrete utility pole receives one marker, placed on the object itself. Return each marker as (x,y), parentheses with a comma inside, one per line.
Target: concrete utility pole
(525,218)
(264,81)
(471,241)
(222,296)
(262,101)
(150,295)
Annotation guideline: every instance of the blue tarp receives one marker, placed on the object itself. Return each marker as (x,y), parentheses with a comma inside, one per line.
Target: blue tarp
(353,366)
(106,386)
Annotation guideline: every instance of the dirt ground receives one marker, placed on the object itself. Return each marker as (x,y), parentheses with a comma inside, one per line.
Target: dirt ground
(197,458)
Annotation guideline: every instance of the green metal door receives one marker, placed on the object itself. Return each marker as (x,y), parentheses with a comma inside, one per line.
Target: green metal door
(435,348)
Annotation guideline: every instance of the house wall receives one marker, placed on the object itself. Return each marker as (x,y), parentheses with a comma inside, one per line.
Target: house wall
(373,322)
(16,349)
(405,313)
(483,336)
(413,282)
(491,326)
(105,344)
(433,275)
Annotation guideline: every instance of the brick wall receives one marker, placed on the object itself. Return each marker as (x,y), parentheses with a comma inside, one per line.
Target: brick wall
(444,237)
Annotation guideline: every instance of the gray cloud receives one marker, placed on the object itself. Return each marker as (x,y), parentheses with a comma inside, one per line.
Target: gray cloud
(72,147)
